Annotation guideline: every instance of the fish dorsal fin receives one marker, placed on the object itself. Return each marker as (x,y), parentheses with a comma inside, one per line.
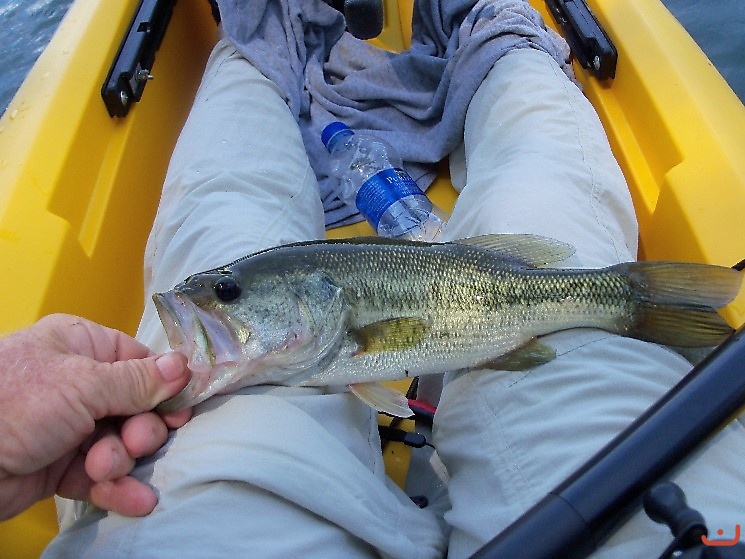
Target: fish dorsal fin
(391,335)
(382,398)
(530,250)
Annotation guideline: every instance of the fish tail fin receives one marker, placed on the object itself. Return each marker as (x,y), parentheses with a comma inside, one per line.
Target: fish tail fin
(681,283)
(680,326)
(677,301)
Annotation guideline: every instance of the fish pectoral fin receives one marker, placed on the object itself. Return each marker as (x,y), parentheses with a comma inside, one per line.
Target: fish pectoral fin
(530,355)
(382,398)
(528,250)
(391,335)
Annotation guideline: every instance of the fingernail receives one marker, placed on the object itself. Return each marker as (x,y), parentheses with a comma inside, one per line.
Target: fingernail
(113,465)
(171,366)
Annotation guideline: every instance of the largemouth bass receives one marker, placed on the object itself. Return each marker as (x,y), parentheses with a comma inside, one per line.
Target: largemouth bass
(360,311)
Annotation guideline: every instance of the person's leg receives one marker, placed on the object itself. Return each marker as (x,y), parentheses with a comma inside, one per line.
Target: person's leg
(538,162)
(239,181)
(263,472)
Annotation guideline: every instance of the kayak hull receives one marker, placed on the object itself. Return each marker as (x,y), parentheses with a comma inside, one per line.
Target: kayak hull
(79,189)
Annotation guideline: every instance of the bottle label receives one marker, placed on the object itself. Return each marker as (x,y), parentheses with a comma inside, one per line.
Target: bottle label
(381,190)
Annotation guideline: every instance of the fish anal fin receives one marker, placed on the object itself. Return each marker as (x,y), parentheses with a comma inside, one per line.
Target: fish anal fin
(529,250)
(530,355)
(391,335)
(382,398)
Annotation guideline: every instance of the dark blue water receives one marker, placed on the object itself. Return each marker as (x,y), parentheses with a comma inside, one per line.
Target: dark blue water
(27,25)
(718,26)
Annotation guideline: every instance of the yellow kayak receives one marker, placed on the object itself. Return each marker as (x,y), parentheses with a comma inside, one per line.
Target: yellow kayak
(79,188)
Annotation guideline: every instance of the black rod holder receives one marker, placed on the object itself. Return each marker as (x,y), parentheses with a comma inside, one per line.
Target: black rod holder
(588,40)
(130,70)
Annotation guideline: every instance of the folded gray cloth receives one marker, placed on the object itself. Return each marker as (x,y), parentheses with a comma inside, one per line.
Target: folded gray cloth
(416,100)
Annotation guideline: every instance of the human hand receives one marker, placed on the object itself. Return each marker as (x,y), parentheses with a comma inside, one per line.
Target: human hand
(75,401)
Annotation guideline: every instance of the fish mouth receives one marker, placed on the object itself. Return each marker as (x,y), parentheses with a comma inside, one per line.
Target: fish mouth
(207,341)
(171,313)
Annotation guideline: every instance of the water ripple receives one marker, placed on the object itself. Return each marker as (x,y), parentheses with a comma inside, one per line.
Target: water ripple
(28,25)
(27,28)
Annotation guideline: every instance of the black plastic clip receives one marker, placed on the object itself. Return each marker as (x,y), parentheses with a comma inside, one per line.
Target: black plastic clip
(130,71)
(414,440)
(364,18)
(586,37)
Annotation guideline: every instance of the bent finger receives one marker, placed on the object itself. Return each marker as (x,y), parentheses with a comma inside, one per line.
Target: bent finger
(178,418)
(143,434)
(108,458)
(126,496)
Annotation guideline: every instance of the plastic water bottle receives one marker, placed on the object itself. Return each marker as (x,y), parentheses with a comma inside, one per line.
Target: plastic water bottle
(372,179)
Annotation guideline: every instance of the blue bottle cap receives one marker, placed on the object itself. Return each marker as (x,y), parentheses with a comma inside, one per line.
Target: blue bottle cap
(333,133)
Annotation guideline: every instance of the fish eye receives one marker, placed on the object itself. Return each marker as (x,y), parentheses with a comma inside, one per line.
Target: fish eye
(227,289)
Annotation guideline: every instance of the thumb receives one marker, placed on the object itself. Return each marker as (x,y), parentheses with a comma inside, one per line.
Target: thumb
(138,385)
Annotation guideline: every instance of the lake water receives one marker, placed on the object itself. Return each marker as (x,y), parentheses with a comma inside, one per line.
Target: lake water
(27,26)
(717,25)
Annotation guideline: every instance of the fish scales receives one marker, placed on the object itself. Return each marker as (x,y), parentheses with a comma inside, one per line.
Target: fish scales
(329,313)
(474,302)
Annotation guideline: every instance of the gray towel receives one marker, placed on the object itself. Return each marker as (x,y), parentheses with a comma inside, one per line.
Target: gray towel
(416,100)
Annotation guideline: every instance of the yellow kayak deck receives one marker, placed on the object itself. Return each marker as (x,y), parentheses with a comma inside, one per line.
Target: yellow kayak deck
(79,189)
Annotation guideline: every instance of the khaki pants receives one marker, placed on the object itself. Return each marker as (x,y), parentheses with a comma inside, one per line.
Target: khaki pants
(287,472)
